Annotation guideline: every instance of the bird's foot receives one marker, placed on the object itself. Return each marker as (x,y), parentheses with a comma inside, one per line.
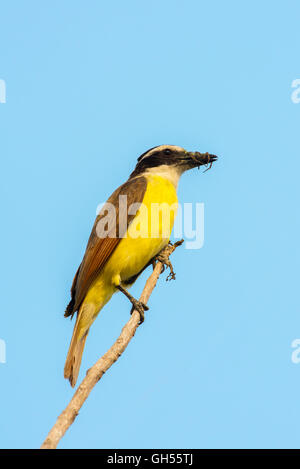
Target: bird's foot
(137,305)
(140,307)
(164,259)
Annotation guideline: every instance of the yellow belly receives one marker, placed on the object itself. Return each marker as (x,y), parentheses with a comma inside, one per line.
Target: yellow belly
(148,233)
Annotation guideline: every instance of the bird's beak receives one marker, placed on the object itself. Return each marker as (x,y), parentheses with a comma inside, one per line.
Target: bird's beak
(197,159)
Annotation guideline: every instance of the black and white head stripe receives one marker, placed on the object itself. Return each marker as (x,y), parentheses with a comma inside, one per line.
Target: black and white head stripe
(161,149)
(162,155)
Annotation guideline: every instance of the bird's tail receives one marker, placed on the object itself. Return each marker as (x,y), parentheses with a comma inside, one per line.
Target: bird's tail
(81,329)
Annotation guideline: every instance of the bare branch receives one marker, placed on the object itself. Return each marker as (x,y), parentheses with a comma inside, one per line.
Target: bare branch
(94,374)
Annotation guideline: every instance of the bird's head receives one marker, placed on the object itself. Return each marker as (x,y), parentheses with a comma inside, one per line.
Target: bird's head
(171,159)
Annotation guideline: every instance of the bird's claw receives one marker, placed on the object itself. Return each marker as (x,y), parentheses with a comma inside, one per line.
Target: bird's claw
(164,259)
(140,307)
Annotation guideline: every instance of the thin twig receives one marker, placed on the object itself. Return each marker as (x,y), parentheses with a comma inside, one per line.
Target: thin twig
(95,373)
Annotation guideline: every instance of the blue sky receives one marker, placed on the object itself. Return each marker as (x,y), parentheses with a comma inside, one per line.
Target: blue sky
(89,87)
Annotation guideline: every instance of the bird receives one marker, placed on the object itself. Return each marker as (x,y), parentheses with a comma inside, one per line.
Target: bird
(121,245)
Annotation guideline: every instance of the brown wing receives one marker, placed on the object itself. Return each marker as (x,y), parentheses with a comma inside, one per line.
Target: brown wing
(99,249)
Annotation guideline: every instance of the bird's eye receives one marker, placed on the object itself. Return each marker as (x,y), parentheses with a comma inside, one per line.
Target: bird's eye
(167,152)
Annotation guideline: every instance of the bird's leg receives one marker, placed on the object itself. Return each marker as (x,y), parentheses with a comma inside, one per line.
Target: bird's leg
(136,304)
(164,259)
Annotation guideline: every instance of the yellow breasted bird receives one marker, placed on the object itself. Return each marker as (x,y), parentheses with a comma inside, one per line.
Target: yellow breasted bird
(133,237)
